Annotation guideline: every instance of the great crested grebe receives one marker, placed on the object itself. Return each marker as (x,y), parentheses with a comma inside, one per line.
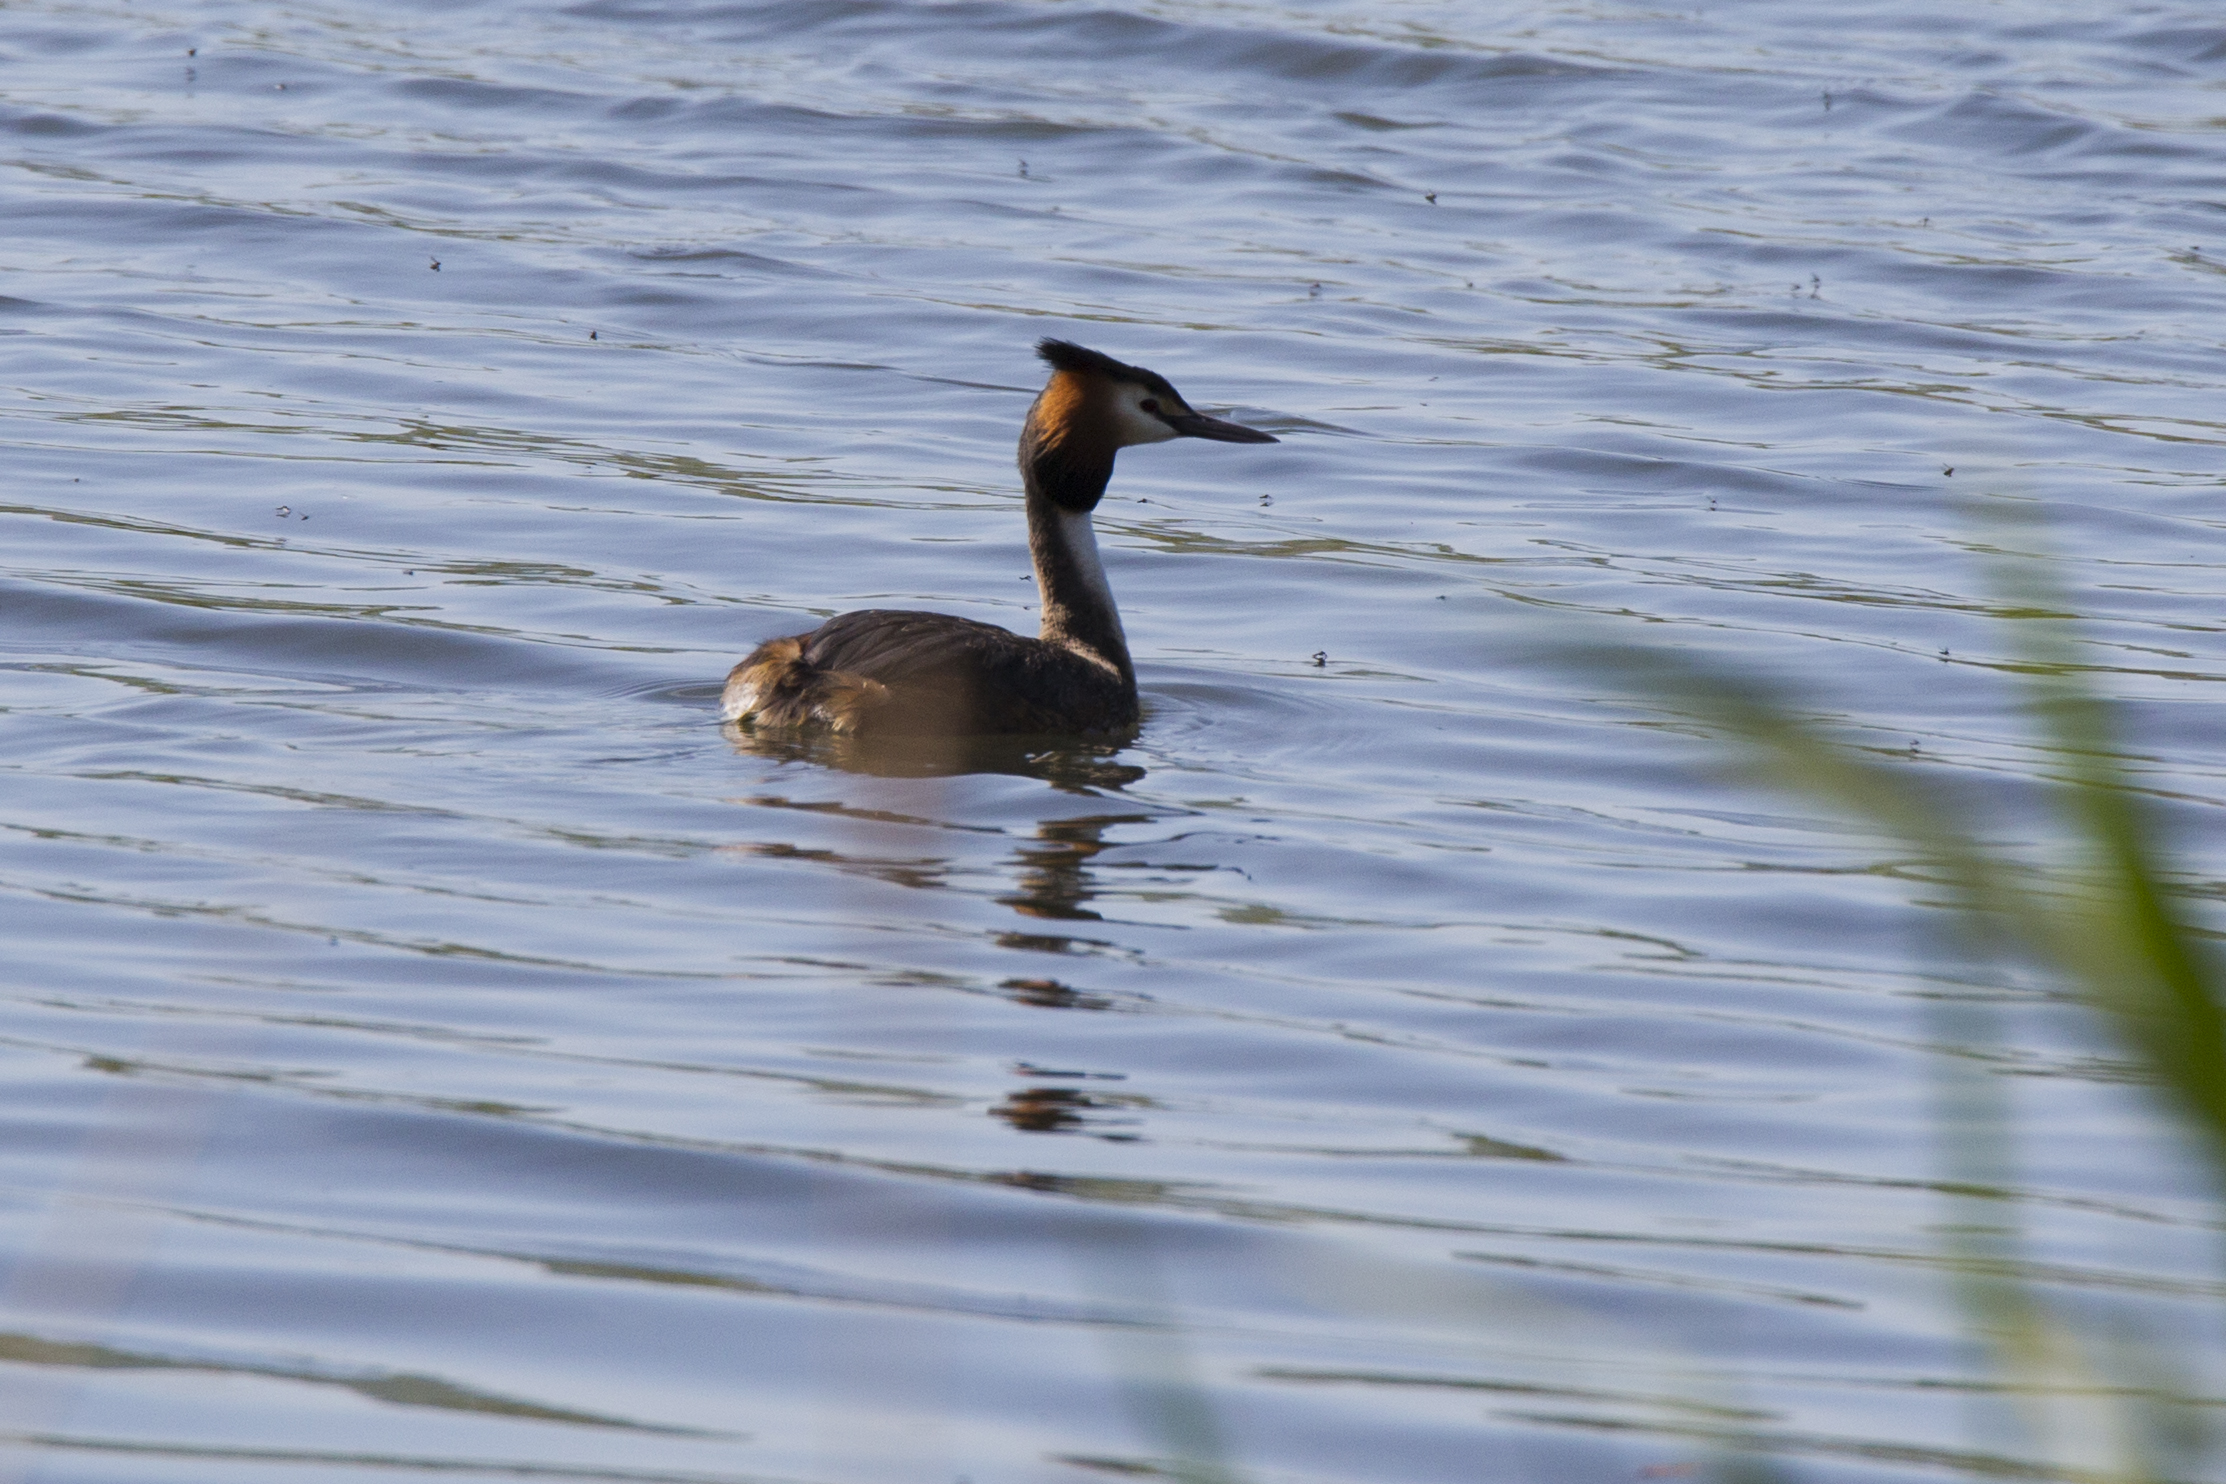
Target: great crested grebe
(885,671)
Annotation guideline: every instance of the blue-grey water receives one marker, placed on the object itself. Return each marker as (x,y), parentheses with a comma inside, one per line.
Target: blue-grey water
(430,1047)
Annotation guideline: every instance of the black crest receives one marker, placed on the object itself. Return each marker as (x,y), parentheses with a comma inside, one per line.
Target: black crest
(1065,355)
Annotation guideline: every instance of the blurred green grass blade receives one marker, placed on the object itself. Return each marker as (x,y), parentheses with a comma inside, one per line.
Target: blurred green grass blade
(2102,918)
(2108,925)
(2141,962)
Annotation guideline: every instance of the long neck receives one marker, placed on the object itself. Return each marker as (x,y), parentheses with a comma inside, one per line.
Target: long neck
(1078,606)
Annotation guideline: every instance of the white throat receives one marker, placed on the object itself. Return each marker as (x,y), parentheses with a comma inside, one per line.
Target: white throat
(1081,540)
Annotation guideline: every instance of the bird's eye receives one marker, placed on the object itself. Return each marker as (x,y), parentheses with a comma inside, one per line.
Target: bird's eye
(1149,404)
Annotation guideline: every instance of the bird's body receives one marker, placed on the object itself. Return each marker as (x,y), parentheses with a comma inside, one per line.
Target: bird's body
(887,671)
(928,673)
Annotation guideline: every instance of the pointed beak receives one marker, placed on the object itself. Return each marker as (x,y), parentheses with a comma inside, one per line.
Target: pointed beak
(1198,425)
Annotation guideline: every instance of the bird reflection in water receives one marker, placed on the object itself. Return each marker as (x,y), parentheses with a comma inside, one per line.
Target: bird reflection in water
(1069,764)
(1050,994)
(1067,1110)
(1055,879)
(1053,882)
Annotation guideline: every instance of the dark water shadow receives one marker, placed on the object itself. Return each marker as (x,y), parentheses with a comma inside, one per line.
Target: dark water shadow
(1054,876)
(1069,1110)
(1070,764)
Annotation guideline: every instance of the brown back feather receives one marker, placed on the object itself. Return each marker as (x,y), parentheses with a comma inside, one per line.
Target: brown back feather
(777,687)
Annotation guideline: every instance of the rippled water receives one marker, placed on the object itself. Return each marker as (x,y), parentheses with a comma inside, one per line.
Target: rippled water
(432,1046)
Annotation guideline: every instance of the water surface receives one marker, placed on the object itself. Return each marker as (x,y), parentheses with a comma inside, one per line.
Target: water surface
(432,1046)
